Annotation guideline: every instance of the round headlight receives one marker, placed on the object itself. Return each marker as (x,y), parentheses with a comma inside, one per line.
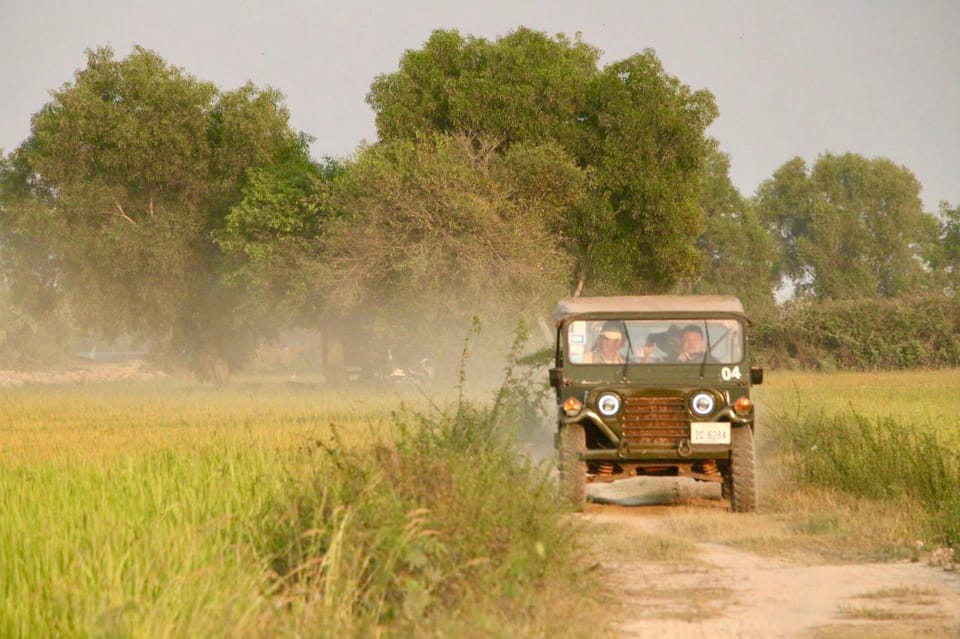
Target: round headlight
(608,404)
(702,403)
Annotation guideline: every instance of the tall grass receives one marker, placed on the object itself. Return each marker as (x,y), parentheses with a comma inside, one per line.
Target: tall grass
(151,545)
(880,458)
(446,533)
(265,510)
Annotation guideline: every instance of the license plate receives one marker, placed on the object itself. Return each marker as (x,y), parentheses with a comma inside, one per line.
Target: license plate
(710,433)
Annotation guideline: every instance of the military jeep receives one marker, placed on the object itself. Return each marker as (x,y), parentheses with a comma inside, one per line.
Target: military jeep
(655,385)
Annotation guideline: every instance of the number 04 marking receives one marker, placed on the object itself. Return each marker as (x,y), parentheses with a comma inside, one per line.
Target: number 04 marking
(728,373)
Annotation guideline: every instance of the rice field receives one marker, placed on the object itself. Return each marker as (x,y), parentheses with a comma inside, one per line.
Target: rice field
(920,397)
(117,495)
(892,437)
(266,508)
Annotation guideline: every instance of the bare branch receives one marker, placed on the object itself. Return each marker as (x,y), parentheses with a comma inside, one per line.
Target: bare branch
(579,290)
(124,215)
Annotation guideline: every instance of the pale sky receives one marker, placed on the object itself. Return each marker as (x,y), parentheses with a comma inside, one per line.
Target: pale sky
(791,78)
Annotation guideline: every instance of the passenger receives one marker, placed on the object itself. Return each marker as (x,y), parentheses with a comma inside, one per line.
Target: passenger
(692,347)
(646,353)
(606,349)
(660,347)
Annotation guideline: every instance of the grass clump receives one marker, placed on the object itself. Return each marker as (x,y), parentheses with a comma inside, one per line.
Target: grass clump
(881,458)
(444,532)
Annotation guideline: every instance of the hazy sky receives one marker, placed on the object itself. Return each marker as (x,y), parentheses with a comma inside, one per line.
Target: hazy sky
(791,78)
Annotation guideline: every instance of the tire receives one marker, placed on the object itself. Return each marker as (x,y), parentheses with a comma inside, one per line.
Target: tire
(573,470)
(743,480)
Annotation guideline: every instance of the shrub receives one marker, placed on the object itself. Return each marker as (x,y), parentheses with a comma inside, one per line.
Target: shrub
(864,334)
(444,530)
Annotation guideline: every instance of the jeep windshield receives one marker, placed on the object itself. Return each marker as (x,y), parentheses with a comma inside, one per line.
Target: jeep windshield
(655,342)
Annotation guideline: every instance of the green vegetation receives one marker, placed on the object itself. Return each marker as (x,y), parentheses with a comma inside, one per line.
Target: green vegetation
(889,438)
(273,509)
(149,206)
(635,131)
(849,227)
(110,205)
(921,331)
(881,459)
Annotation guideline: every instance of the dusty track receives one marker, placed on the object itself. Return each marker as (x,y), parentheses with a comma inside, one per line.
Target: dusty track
(721,591)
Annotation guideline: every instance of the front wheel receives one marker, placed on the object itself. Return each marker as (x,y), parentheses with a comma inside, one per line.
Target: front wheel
(573,470)
(742,477)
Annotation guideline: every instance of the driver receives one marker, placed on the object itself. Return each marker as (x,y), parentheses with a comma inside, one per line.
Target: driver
(606,349)
(691,345)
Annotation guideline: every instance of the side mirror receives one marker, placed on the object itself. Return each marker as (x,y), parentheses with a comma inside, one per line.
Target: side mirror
(756,375)
(555,375)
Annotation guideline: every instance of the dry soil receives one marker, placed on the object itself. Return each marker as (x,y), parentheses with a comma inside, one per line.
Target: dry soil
(724,592)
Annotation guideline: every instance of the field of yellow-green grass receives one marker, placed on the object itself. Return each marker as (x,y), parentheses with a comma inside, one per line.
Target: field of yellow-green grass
(266,508)
(918,398)
(270,509)
(886,442)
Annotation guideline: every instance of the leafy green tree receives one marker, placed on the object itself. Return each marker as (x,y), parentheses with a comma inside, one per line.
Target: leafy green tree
(270,239)
(638,132)
(127,173)
(947,247)
(524,87)
(647,144)
(739,255)
(432,232)
(848,228)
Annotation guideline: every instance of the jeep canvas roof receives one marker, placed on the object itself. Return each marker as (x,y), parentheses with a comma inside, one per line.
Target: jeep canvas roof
(683,304)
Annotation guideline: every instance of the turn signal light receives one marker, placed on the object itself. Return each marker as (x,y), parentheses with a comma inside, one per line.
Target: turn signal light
(743,405)
(572,406)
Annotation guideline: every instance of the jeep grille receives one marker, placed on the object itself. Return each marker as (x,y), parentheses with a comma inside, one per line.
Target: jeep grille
(655,420)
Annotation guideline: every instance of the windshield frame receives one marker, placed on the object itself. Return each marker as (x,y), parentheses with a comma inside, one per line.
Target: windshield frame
(723,340)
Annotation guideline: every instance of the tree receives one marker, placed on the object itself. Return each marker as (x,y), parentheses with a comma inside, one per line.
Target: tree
(419,237)
(525,87)
(270,241)
(127,173)
(739,256)
(943,247)
(638,132)
(849,228)
(646,140)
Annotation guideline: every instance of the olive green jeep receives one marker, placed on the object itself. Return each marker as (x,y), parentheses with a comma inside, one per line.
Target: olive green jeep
(655,385)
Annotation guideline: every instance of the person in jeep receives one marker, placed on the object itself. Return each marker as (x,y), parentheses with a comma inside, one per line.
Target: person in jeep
(692,347)
(606,347)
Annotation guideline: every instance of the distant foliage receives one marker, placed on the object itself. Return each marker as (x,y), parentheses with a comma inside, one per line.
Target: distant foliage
(739,255)
(848,227)
(864,334)
(942,247)
(507,173)
(108,209)
(30,338)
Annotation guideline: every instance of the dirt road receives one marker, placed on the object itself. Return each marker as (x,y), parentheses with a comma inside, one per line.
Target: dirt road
(697,590)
